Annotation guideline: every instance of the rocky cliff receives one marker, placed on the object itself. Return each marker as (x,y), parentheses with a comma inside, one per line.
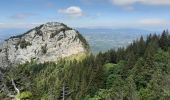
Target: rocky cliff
(48,42)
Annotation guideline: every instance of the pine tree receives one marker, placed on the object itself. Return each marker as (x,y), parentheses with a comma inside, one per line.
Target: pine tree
(163,43)
(150,50)
(148,39)
(141,46)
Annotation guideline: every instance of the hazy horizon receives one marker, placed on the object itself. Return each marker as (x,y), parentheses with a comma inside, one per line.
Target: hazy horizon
(140,14)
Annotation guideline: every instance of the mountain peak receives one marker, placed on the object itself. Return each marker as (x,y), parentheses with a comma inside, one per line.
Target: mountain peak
(47,42)
(52,23)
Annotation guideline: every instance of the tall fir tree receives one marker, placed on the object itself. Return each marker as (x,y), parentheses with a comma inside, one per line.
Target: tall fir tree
(164,39)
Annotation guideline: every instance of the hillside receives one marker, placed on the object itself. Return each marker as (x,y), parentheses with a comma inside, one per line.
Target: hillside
(138,72)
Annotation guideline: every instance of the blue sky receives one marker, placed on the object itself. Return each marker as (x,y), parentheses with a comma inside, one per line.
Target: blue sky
(143,14)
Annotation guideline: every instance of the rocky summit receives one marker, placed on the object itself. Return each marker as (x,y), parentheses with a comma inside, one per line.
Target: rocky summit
(47,42)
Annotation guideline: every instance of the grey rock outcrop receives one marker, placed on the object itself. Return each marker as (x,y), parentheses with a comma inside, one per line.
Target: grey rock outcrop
(48,42)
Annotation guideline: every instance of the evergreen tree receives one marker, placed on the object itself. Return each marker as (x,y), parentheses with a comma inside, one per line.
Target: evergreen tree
(141,47)
(164,40)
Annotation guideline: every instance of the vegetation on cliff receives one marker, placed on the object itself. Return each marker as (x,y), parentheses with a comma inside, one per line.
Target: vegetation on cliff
(141,71)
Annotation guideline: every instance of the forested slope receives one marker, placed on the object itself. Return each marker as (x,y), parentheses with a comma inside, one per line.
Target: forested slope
(141,71)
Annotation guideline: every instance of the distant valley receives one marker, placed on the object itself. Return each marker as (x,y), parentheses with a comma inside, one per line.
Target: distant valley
(98,39)
(105,39)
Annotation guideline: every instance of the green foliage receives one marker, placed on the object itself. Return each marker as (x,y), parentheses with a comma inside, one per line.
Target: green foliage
(44,49)
(139,72)
(85,43)
(108,67)
(57,32)
(24,44)
(164,41)
(78,57)
(24,95)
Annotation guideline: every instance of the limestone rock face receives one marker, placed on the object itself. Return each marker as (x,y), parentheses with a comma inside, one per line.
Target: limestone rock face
(48,42)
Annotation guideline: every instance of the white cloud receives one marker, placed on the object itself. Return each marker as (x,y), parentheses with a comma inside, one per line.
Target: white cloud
(153,22)
(156,2)
(123,2)
(146,2)
(73,11)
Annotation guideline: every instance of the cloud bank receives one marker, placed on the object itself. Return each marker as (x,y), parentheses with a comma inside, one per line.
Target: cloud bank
(73,11)
(153,22)
(145,2)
